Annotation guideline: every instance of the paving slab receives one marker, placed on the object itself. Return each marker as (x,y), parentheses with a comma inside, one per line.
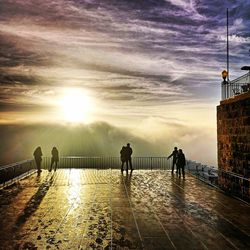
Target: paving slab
(105,209)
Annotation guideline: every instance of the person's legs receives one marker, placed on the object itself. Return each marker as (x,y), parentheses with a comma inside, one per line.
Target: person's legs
(127,165)
(173,167)
(122,165)
(55,165)
(130,164)
(183,172)
(38,164)
(178,170)
(52,161)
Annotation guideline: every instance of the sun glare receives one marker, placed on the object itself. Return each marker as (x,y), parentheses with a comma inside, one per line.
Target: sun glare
(75,105)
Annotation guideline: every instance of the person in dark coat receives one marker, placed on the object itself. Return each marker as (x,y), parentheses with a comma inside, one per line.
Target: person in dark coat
(181,163)
(174,155)
(123,157)
(54,158)
(38,158)
(128,160)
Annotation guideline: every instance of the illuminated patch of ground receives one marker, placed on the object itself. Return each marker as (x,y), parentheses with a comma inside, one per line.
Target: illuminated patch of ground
(104,209)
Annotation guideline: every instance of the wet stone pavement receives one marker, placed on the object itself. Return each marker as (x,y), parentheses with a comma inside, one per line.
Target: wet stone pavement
(104,209)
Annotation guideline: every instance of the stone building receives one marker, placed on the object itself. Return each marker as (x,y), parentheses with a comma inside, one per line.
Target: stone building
(233,134)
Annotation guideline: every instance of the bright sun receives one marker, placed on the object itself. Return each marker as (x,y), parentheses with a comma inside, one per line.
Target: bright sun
(75,105)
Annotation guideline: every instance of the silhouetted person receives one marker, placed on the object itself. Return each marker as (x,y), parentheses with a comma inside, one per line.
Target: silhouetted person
(54,158)
(38,158)
(174,155)
(128,160)
(123,156)
(181,163)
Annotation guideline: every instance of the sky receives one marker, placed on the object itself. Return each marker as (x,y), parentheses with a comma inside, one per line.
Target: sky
(148,69)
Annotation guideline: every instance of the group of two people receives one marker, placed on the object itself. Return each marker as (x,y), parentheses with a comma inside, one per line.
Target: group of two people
(179,160)
(38,158)
(126,153)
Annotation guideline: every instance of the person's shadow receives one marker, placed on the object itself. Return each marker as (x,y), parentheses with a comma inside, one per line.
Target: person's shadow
(127,182)
(34,201)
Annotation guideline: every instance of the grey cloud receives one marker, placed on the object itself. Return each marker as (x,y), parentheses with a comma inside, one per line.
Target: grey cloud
(182,39)
(14,79)
(11,54)
(20,107)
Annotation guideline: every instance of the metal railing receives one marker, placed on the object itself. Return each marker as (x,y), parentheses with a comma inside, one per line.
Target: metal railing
(105,162)
(205,173)
(12,172)
(232,183)
(236,87)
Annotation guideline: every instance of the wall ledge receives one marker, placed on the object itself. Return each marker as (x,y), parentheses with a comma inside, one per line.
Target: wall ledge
(236,98)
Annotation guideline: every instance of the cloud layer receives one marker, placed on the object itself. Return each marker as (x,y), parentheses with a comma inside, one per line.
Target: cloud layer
(101,139)
(164,48)
(139,60)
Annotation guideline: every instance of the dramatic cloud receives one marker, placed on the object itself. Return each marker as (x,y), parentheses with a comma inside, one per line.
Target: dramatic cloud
(137,60)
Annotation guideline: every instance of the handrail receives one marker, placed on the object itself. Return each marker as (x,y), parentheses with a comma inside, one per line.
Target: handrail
(234,174)
(235,87)
(105,162)
(11,172)
(240,78)
(15,163)
(233,183)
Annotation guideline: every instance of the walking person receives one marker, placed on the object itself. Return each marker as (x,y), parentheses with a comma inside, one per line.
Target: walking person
(128,153)
(123,157)
(174,155)
(181,163)
(54,158)
(38,158)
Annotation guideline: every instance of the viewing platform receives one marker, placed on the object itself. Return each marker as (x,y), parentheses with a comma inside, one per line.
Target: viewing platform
(77,208)
(238,86)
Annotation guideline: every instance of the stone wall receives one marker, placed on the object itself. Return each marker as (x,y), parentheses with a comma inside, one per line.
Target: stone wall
(233,132)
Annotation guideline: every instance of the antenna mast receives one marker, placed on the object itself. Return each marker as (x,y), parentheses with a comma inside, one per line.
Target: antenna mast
(227,50)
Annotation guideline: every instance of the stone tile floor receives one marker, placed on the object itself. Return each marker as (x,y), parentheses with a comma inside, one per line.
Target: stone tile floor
(104,209)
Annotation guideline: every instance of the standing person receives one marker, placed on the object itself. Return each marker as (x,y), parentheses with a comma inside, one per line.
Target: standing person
(54,158)
(128,153)
(123,156)
(38,158)
(174,155)
(181,163)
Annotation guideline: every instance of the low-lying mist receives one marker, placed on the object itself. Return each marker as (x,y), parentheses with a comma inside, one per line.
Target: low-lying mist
(102,139)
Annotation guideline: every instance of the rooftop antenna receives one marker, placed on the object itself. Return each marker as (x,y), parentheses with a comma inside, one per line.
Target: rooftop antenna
(227,50)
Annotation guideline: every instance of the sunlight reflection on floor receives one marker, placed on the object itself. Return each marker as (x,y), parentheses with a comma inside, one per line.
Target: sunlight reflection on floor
(104,209)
